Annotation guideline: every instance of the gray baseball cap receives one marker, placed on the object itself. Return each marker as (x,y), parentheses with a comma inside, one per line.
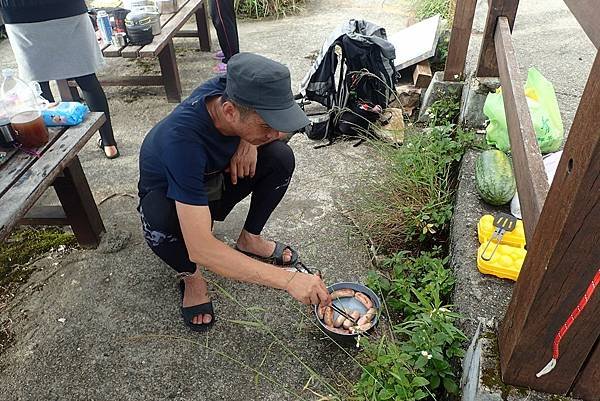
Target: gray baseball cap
(265,86)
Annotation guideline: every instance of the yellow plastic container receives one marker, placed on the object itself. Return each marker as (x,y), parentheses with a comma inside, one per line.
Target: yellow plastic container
(485,229)
(506,262)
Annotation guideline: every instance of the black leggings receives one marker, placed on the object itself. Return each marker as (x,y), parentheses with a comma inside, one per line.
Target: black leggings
(222,13)
(160,223)
(95,99)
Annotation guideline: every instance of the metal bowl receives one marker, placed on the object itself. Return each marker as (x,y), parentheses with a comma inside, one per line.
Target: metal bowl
(349,303)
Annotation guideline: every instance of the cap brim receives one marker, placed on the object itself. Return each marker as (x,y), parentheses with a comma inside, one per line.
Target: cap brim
(288,120)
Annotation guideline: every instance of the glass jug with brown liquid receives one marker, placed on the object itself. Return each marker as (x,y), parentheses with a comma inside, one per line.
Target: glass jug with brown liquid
(23,108)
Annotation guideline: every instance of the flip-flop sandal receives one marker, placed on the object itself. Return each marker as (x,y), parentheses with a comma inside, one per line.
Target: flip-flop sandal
(276,257)
(188,312)
(101,147)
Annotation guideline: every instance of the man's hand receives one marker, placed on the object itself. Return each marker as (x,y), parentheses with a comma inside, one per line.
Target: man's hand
(243,162)
(308,289)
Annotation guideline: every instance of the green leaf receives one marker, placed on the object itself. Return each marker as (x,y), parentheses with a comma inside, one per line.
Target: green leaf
(435,382)
(419,382)
(420,394)
(421,362)
(450,386)
(386,394)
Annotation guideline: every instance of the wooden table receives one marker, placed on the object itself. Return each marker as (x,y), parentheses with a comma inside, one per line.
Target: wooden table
(162,47)
(24,178)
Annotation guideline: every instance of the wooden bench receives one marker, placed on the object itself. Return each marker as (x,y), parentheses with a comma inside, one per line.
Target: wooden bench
(162,47)
(24,178)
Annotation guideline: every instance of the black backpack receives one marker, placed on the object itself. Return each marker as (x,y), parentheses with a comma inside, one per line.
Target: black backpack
(365,85)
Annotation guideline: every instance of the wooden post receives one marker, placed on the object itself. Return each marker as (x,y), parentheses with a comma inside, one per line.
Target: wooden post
(562,258)
(586,386)
(78,203)
(488,66)
(170,73)
(202,24)
(532,182)
(459,40)
(68,92)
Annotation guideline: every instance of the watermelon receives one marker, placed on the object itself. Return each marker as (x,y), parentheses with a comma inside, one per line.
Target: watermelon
(494,177)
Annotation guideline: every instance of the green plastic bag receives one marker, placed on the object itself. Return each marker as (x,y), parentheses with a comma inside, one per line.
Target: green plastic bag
(543,108)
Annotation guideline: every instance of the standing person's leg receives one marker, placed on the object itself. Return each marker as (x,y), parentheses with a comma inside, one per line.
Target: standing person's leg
(222,13)
(46,92)
(163,235)
(96,100)
(274,169)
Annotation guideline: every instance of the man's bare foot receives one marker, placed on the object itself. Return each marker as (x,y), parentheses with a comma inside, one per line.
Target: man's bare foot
(196,293)
(259,246)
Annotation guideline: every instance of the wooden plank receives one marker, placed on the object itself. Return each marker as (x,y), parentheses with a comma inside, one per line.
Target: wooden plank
(187,33)
(45,216)
(151,80)
(459,40)
(170,73)
(113,51)
(202,27)
(487,65)
(19,162)
(532,182)
(587,385)
(170,28)
(562,258)
(587,14)
(37,178)
(422,74)
(78,203)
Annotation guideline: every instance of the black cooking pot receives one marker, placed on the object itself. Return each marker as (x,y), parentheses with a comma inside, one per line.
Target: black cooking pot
(350,303)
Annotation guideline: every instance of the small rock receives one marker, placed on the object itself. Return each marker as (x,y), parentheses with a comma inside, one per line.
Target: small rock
(62,320)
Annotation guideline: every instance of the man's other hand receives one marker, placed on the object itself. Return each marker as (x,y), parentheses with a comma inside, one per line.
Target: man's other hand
(243,162)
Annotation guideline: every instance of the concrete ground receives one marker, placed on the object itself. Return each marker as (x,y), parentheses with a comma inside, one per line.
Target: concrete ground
(104,324)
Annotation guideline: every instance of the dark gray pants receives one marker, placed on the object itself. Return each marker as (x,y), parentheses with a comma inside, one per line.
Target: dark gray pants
(222,13)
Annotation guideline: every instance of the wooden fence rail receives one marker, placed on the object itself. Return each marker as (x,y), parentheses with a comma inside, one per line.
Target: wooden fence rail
(562,224)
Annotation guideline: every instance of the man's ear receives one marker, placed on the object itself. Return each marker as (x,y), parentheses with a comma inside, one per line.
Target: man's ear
(230,112)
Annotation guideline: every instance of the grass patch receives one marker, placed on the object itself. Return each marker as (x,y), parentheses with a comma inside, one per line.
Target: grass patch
(428,8)
(26,244)
(267,8)
(409,204)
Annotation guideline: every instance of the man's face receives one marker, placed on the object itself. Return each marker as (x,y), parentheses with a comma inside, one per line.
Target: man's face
(252,128)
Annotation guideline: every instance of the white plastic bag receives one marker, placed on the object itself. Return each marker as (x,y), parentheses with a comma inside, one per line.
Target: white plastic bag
(550,165)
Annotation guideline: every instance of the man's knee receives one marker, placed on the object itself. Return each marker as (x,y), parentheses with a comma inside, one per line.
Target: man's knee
(279,155)
(160,212)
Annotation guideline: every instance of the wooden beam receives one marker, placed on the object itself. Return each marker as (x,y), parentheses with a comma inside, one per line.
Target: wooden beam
(422,74)
(587,14)
(186,33)
(487,65)
(460,36)
(149,80)
(586,386)
(562,258)
(532,182)
(45,216)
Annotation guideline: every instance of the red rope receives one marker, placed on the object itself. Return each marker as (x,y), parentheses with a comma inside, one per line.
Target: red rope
(567,324)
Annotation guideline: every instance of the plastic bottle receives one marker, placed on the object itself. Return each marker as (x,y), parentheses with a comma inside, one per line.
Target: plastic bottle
(23,110)
(7,134)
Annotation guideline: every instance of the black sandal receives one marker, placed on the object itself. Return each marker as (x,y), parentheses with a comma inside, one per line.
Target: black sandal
(276,257)
(189,312)
(101,146)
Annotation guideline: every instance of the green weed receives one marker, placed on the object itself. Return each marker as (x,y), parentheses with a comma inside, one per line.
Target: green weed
(408,204)
(267,8)
(428,8)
